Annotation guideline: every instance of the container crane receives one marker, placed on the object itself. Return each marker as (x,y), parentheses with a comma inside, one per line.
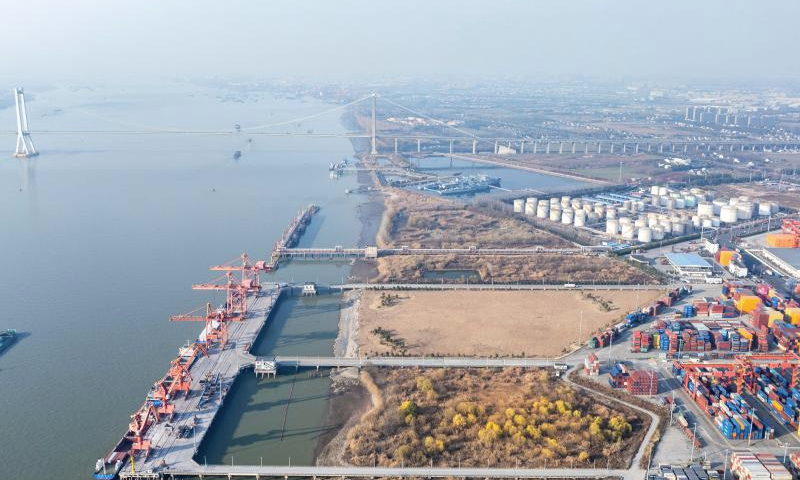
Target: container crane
(236,292)
(250,272)
(216,330)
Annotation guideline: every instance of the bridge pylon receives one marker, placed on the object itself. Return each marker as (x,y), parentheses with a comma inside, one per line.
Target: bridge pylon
(374,143)
(25,146)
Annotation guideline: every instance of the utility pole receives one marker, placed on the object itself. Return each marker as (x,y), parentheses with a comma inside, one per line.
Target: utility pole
(374,150)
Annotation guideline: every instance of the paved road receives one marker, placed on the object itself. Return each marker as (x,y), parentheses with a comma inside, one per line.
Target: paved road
(301,361)
(398,472)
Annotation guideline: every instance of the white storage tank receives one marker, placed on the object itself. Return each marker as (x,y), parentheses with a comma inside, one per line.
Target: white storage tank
(530,208)
(628,231)
(592,218)
(555,214)
(658,233)
(567,216)
(580,218)
(690,200)
(728,214)
(542,210)
(611,212)
(764,209)
(625,220)
(626,205)
(640,223)
(665,225)
(715,222)
(718,204)
(645,235)
(612,226)
(705,209)
(519,205)
(670,204)
(680,203)
(678,229)
(555,201)
(655,201)
(696,221)
(775,207)
(744,210)
(708,222)
(600,210)
(654,190)
(565,198)
(588,208)
(687,226)
(662,191)
(640,206)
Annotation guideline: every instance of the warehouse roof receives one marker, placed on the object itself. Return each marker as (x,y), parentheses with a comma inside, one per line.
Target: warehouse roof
(687,260)
(790,256)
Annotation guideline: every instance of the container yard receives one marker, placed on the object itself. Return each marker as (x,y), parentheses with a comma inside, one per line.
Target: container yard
(635,382)
(749,466)
(648,215)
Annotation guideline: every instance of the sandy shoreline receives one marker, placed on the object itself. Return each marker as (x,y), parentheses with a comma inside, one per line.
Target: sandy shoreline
(346,343)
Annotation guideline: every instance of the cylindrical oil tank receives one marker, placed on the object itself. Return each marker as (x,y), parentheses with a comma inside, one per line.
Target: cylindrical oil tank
(716,222)
(678,229)
(680,203)
(705,209)
(542,210)
(663,191)
(728,214)
(744,210)
(600,210)
(530,208)
(696,221)
(654,190)
(690,200)
(565,198)
(708,222)
(652,221)
(555,201)
(744,198)
(628,231)
(611,212)
(588,207)
(625,220)
(612,226)
(658,233)
(670,203)
(592,218)
(645,235)
(775,207)
(576,203)
(626,205)
(567,216)
(733,201)
(580,218)
(640,206)
(519,205)
(655,201)
(665,225)
(640,222)
(764,209)
(687,226)
(532,200)
(718,204)
(555,214)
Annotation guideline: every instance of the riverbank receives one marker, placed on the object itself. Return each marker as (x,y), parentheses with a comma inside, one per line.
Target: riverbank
(346,343)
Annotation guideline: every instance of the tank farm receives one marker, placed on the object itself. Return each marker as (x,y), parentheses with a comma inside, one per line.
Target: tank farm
(166,431)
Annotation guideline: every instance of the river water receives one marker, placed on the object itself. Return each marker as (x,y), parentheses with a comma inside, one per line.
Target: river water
(102,237)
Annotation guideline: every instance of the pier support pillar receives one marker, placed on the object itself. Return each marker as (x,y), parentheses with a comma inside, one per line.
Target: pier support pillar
(573,147)
(547,150)
(685,148)
(673,148)
(419,145)
(660,148)
(560,147)
(451,146)
(742,150)
(612,148)
(636,149)
(648,148)
(395,146)
(624,147)
(474,147)
(522,147)
(585,148)
(708,147)
(495,146)
(535,146)
(731,147)
(599,147)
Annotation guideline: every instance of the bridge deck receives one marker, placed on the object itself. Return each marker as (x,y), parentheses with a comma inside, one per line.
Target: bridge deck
(308,361)
(167,448)
(397,472)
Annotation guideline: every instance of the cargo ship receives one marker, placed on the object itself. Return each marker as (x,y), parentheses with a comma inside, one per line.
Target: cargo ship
(463,185)
(7,337)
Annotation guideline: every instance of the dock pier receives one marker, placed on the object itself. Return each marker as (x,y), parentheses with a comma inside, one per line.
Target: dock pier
(291,235)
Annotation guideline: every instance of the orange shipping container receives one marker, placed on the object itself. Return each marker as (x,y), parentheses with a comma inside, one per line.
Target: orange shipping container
(783,240)
(748,303)
(725,257)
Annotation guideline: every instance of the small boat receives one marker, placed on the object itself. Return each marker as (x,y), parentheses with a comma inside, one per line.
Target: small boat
(237,154)
(7,338)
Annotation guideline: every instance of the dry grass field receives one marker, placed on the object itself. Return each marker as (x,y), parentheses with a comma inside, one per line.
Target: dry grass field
(483,323)
(490,417)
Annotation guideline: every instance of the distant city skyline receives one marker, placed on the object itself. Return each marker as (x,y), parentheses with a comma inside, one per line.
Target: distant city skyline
(683,40)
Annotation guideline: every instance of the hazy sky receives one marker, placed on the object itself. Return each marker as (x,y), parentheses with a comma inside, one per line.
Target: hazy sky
(333,39)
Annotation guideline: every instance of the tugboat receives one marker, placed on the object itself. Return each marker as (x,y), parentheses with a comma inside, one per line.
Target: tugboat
(7,337)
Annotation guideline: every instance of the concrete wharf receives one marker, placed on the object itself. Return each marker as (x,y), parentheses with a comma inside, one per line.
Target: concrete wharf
(196,412)
(291,235)
(433,362)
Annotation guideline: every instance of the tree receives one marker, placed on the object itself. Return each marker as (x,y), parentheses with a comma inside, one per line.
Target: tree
(583,457)
(459,420)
